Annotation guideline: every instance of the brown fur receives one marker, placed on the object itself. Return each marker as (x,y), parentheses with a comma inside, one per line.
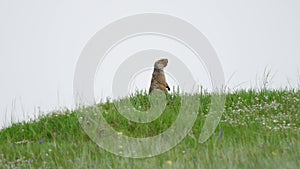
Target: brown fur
(158,80)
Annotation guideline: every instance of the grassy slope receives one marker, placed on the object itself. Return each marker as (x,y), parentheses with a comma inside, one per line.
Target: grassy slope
(257,130)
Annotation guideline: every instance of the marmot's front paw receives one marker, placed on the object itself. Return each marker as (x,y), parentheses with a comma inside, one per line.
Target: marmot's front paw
(168,88)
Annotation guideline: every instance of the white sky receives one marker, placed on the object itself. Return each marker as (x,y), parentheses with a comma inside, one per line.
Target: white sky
(40,42)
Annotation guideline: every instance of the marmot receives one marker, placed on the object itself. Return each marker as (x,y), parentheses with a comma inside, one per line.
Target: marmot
(158,80)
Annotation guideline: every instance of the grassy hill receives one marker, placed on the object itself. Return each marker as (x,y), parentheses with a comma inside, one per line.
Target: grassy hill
(258,129)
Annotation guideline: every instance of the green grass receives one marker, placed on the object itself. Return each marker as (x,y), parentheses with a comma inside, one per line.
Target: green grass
(259,129)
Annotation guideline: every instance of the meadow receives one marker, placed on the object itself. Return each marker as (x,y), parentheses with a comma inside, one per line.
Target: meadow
(258,129)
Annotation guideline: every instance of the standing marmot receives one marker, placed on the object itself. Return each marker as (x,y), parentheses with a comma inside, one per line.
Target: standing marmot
(158,80)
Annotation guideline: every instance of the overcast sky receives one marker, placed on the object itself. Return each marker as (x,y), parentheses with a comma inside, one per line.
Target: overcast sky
(40,42)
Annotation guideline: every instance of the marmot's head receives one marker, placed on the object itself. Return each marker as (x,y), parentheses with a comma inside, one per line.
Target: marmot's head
(160,64)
